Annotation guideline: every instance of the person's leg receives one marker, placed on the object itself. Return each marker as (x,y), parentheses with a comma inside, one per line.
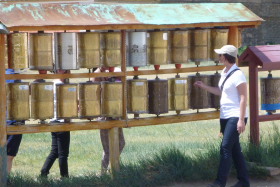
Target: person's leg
(63,141)
(52,156)
(240,164)
(13,143)
(104,136)
(230,137)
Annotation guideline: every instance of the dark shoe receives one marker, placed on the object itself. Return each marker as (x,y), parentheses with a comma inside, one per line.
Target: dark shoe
(239,184)
(215,184)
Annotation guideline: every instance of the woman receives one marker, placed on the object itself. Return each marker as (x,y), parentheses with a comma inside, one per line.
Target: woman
(233,117)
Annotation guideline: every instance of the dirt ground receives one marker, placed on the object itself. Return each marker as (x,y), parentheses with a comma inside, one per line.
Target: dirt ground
(269,182)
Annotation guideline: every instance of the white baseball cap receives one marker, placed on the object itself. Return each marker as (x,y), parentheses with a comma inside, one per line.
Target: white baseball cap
(227,49)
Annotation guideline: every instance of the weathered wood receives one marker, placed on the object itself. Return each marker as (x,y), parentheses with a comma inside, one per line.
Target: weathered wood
(3,132)
(248,24)
(114,149)
(263,118)
(124,83)
(90,125)
(233,36)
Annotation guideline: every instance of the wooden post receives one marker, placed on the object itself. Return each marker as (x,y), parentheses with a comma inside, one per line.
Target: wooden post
(114,149)
(124,70)
(3,131)
(233,36)
(254,104)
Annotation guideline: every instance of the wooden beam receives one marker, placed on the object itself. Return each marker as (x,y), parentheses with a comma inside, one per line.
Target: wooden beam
(248,24)
(272,117)
(91,125)
(124,83)
(3,130)
(114,150)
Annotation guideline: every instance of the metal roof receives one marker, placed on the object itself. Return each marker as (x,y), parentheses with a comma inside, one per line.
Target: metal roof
(52,14)
(266,56)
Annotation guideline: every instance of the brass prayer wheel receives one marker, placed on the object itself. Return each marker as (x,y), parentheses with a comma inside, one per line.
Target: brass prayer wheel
(180,47)
(112,99)
(219,38)
(41,51)
(65,51)
(158,96)
(270,94)
(137,96)
(66,101)
(137,49)
(18,101)
(89,50)
(42,100)
(159,47)
(215,99)
(18,50)
(89,99)
(178,94)
(112,53)
(199,98)
(200,45)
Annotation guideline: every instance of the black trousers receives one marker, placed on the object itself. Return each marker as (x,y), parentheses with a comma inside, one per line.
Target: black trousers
(60,150)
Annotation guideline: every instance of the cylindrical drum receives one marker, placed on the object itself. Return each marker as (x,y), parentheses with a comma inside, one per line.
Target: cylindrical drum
(18,50)
(67,101)
(200,45)
(199,98)
(137,49)
(112,99)
(180,47)
(158,96)
(41,51)
(215,99)
(6,52)
(42,100)
(219,38)
(89,100)
(137,96)
(65,51)
(270,93)
(159,47)
(18,101)
(113,44)
(89,50)
(178,94)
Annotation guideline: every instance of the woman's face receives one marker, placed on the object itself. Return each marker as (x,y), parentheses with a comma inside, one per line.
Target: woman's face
(222,59)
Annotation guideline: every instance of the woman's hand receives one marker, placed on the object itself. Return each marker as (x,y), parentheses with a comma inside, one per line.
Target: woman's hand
(199,84)
(240,126)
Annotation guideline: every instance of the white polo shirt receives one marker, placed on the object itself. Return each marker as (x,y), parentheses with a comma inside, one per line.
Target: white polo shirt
(230,99)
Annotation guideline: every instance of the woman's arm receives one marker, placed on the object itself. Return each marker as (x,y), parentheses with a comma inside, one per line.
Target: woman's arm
(242,90)
(211,89)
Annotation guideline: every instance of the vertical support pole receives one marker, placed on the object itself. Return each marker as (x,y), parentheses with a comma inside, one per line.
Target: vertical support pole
(233,35)
(114,149)
(254,104)
(3,129)
(124,70)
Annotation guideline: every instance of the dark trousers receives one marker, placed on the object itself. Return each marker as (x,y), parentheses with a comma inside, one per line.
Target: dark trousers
(231,150)
(60,150)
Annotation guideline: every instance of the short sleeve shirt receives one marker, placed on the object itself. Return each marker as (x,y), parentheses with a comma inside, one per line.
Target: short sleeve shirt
(230,99)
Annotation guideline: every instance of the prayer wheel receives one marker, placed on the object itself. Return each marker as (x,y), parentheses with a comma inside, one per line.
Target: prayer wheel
(42,100)
(112,99)
(6,52)
(18,101)
(200,45)
(66,101)
(89,50)
(65,51)
(137,49)
(215,99)
(199,98)
(112,53)
(219,38)
(270,94)
(89,99)
(137,96)
(159,47)
(178,94)
(41,51)
(158,96)
(180,47)
(18,50)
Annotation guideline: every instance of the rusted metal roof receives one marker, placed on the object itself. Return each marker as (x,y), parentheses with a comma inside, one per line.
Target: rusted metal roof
(266,56)
(52,14)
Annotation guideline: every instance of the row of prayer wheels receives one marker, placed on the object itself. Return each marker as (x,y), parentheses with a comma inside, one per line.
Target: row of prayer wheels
(70,51)
(91,99)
